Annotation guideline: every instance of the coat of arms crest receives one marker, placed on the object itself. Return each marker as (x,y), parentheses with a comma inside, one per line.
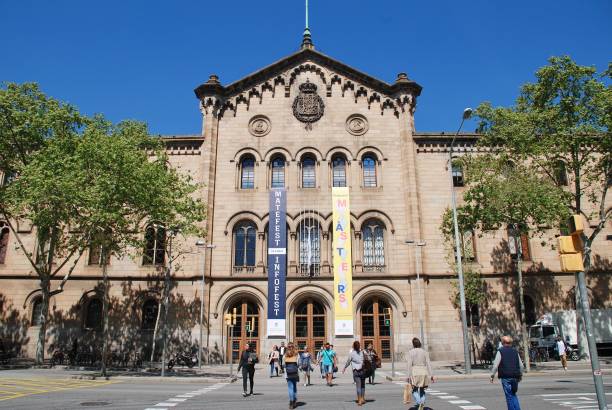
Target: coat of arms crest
(308,106)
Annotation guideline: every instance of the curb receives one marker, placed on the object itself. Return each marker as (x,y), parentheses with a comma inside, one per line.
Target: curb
(231,379)
(532,373)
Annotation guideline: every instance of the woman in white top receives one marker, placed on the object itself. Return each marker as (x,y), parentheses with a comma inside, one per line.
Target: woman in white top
(357,360)
(419,372)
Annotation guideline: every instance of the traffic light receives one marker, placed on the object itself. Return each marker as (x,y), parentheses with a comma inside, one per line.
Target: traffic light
(570,247)
(228,319)
(234,317)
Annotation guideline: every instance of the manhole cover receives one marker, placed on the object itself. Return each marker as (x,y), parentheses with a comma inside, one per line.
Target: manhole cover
(95,403)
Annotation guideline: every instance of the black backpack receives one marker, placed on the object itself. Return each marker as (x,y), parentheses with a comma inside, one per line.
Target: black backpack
(367,365)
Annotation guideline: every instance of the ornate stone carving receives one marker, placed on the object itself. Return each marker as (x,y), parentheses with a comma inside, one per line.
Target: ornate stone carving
(357,124)
(308,106)
(259,125)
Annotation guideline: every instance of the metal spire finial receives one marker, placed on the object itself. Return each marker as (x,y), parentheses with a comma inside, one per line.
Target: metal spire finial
(307,40)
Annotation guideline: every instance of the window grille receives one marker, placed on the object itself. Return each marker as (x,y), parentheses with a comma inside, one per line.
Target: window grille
(310,248)
(245,240)
(373,246)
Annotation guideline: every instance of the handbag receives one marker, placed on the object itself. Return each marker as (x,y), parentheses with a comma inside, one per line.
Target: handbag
(407,393)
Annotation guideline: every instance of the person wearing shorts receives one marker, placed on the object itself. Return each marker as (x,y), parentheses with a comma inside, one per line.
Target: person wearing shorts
(328,358)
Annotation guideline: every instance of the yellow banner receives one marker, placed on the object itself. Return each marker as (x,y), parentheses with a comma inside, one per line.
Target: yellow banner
(343,270)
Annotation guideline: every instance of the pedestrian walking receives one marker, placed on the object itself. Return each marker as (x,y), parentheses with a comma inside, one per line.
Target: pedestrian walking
(361,366)
(292,373)
(281,355)
(305,364)
(273,360)
(562,351)
(374,359)
(508,366)
(320,361)
(248,358)
(328,357)
(419,372)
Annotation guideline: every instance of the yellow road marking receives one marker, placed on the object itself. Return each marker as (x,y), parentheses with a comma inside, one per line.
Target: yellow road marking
(27,387)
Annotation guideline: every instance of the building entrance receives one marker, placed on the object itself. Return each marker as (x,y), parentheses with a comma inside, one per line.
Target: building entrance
(376,318)
(246,329)
(309,325)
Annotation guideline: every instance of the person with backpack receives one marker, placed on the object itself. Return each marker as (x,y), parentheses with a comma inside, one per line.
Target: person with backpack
(273,360)
(374,359)
(305,363)
(292,373)
(362,367)
(509,368)
(248,358)
(328,357)
(419,372)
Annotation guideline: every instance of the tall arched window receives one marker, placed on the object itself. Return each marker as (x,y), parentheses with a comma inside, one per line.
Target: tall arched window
(561,173)
(4,240)
(149,314)
(457,171)
(36,319)
(339,171)
(247,172)
(310,247)
(373,232)
(245,239)
(308,172)
(530,313)
(278,172)
(155,245)
(93,314)
(369,171)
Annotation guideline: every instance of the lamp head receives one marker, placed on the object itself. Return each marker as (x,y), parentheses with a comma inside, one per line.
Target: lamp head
(467,113)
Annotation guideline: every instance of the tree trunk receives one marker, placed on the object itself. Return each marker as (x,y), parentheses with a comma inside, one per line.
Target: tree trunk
(45,285)
(105,335)
(524,334)
(166,300)
(155,330)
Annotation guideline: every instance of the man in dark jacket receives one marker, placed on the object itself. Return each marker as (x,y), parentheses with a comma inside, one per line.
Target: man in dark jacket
(509,368)
(248,358)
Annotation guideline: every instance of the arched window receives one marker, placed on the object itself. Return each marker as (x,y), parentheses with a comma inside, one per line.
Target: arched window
(308,172)
(310,247)
(149,314)
(36,319)
(155,245)
(339,171)
(278,172)
(93,314)
(245,239)
(457,171)
(373,232)
(561,173)
(518,241)
(4,240)
(473,315)
(469,246)
(369,171)
(247,172)
(530,313)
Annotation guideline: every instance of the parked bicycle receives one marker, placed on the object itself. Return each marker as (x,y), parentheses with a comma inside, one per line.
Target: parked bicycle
(183,359)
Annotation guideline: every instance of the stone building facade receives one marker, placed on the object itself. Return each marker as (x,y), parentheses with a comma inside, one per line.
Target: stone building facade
(255,136)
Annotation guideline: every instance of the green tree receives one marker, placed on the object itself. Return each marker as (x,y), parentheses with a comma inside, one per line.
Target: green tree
(560,128)
(503,194)
(41,186)
(129,186)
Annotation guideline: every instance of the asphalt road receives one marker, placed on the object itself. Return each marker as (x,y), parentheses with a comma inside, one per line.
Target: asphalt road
(39,389)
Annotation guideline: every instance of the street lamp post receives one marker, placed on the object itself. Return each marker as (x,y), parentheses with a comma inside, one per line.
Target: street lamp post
(467,113)
(201,244)
(420,293)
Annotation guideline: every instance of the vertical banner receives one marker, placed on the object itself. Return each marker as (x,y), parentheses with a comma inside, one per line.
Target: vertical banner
(343,271)
(277,262)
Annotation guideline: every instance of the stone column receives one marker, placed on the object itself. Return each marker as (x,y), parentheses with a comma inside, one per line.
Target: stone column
(292,245)
(325,262)
(260,250)
(357,252)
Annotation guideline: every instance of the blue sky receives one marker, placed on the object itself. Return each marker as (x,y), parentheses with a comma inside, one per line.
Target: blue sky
(135,59)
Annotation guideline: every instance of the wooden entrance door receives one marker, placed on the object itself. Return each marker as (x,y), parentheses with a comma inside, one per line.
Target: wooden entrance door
(309,325)
(246,329)
(376,319)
